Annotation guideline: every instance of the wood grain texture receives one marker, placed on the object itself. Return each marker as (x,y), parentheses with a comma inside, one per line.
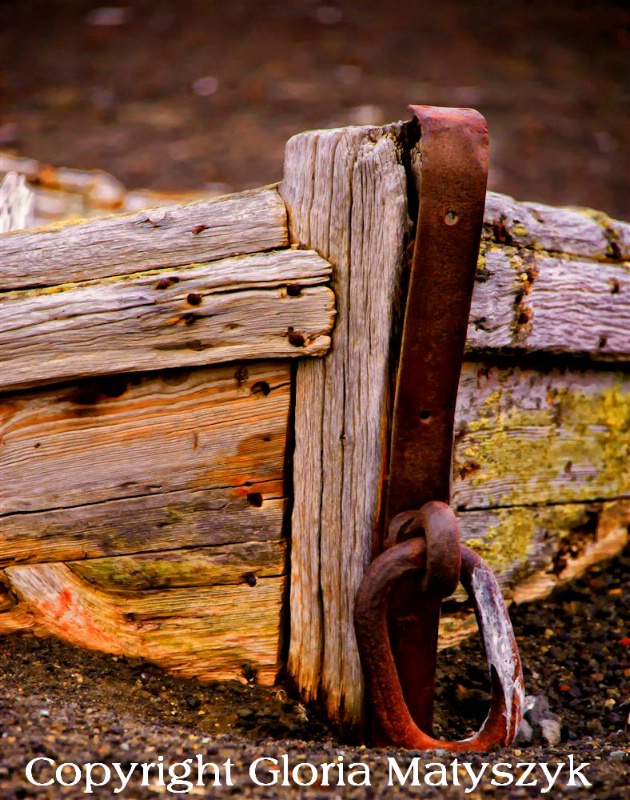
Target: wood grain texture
(169,236)
(553,280)
(206,314)
(169,544)
(211,633)
(530,302)
(581,232)
(7,599)
(221,565)
(346,195)
(144,435)
(164,495)
(162,521)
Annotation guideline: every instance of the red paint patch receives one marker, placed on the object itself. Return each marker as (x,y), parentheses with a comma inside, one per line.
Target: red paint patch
(63,604)
(68,619)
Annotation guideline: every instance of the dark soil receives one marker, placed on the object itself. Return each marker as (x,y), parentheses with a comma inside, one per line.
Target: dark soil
(179,95)
(73,705)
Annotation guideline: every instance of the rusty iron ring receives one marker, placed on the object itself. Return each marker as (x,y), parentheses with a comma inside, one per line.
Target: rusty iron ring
(439,525)
(506,707)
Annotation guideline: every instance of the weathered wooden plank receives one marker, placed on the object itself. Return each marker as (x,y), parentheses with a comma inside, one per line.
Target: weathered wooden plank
(346,195)
(211,633)
(526,301)
(220,565)
(65,193)
(573,231)
(535,549)
(144,435)
(251,512)
(16,203)
(260,306)
(169,236)
(525,436)
(177,460)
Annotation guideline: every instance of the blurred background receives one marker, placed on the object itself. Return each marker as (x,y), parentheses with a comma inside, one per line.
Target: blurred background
(202,94)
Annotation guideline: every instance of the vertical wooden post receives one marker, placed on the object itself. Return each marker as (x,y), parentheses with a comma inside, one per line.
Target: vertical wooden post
(346,192)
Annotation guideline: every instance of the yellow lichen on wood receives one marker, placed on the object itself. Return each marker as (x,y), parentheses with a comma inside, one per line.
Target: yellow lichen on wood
(514,533)
(536,438)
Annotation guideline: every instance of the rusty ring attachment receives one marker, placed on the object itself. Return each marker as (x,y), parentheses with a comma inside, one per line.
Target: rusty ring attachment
(506,707)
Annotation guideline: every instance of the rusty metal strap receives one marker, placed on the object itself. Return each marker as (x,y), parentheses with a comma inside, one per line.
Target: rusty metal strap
(454,169)
(398,605)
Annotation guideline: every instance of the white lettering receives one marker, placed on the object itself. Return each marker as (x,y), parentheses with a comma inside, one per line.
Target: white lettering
(29,771)
(402,779)
(526,774)
(440,771)
(295,774)
(474,778)
(124,779)
(145,772)
(326,773)
(501,773)
(253,767)
(73,768)
(364,774)
(160,766)
(551,779)
(454,768)
(89,781)
(179,780)
(227,765)
(216,771)
(575,771)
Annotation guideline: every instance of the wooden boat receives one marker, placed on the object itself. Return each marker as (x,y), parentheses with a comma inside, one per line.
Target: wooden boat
(196,410)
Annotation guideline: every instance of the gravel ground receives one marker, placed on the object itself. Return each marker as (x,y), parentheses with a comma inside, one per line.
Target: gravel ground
(70,705)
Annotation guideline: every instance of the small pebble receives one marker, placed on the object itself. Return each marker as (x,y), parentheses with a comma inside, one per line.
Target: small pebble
(525,733)
(551,731)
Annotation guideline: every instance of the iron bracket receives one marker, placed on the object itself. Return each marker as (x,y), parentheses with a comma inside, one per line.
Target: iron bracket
(397,609)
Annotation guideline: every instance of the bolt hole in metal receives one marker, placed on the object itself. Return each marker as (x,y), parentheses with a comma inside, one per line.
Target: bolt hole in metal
(451,218)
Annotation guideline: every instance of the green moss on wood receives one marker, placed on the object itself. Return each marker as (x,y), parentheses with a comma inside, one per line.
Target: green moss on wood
(207,566)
